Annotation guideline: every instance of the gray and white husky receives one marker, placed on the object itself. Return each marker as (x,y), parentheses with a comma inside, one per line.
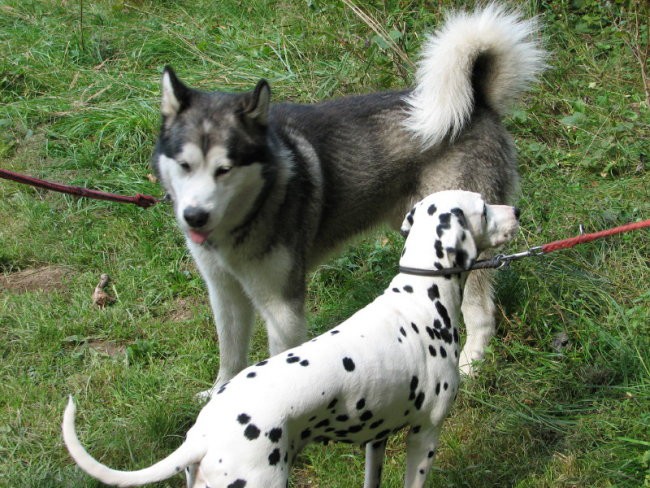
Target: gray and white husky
(264,192)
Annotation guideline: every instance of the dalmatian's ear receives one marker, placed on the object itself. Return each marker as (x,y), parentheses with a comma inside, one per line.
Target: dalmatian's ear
(407,223)
(457,240)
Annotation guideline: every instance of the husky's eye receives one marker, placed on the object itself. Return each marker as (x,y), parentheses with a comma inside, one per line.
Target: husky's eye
(184,165)
(222,170)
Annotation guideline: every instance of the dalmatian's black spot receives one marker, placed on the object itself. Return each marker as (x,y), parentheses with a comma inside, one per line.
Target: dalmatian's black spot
(460,215)
(432,209)
(437,324)
(322,423)
(274,457)
(353,429)
(416,429)
(341,433)
(402,331)
(445,386)
(408,289)
(415,328)
(334,332)
(399,339)
(333,403)
(440,253)
(414,383)
(239,483)
(365,416)
(409,217)
(456,339)
(406,413)
(462,258)
(304,362)
(348,364)
(431,454)
(382,434)
(243,419)
(178,469)
(293,359)
(432,351)
(438,388)
(443,352)
(252,374)
(252,432)
(376,423)
(433,292)
(442,310)
(223,388)
(430,332)
(396,290)
(421,471)
(305,434)
(445,223)
(446,336)
(419,400)
(342,418)
(361,403)
(275,434)
(262,363)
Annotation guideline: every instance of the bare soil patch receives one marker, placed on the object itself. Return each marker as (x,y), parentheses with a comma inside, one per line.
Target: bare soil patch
(45,278)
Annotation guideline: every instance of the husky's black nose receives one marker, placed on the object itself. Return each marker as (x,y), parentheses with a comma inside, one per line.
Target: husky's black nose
(195,216)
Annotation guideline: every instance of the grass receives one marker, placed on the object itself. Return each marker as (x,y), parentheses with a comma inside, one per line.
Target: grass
(78,104)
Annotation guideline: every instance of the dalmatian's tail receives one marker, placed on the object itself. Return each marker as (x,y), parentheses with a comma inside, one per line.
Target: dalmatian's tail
(184,456)
(489,56)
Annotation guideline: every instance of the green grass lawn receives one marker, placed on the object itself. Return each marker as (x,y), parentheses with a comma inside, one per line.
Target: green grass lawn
(79,101)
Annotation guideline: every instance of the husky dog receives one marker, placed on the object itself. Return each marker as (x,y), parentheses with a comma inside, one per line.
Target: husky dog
(264,192)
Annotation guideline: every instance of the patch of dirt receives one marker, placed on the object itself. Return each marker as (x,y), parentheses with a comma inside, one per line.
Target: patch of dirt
(107,347)
(46,278)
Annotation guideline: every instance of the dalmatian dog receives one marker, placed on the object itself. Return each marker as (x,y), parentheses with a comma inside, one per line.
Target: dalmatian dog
(393,364)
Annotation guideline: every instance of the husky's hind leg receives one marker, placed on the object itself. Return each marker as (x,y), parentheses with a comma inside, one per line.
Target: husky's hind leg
(479,316)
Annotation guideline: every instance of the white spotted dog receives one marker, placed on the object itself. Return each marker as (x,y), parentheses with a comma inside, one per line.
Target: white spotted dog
(392,364)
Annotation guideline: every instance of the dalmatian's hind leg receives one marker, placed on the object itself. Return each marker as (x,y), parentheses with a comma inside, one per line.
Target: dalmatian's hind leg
(375,452)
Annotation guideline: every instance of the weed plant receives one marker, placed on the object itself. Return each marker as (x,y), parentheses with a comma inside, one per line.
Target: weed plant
(563,396)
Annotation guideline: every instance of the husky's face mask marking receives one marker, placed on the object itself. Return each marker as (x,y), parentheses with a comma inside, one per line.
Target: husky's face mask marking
(212,156)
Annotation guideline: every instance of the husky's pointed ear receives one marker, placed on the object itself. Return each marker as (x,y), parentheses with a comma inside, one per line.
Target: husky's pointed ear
(257,106)
(175,95)
(407,223)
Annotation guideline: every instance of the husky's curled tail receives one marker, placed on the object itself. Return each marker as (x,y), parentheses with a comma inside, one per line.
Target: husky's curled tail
(488,56)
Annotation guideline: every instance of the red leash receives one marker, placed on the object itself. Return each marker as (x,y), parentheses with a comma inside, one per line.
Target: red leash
(140,200)
(503,260)
(574,241)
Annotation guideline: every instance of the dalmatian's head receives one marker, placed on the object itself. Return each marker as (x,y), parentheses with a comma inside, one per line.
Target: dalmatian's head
(451,228)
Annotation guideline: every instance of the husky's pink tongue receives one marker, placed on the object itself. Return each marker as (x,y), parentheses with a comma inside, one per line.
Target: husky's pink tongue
(198,237)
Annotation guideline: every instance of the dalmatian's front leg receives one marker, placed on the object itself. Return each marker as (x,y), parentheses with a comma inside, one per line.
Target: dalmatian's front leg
(375,452)
(420,451)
